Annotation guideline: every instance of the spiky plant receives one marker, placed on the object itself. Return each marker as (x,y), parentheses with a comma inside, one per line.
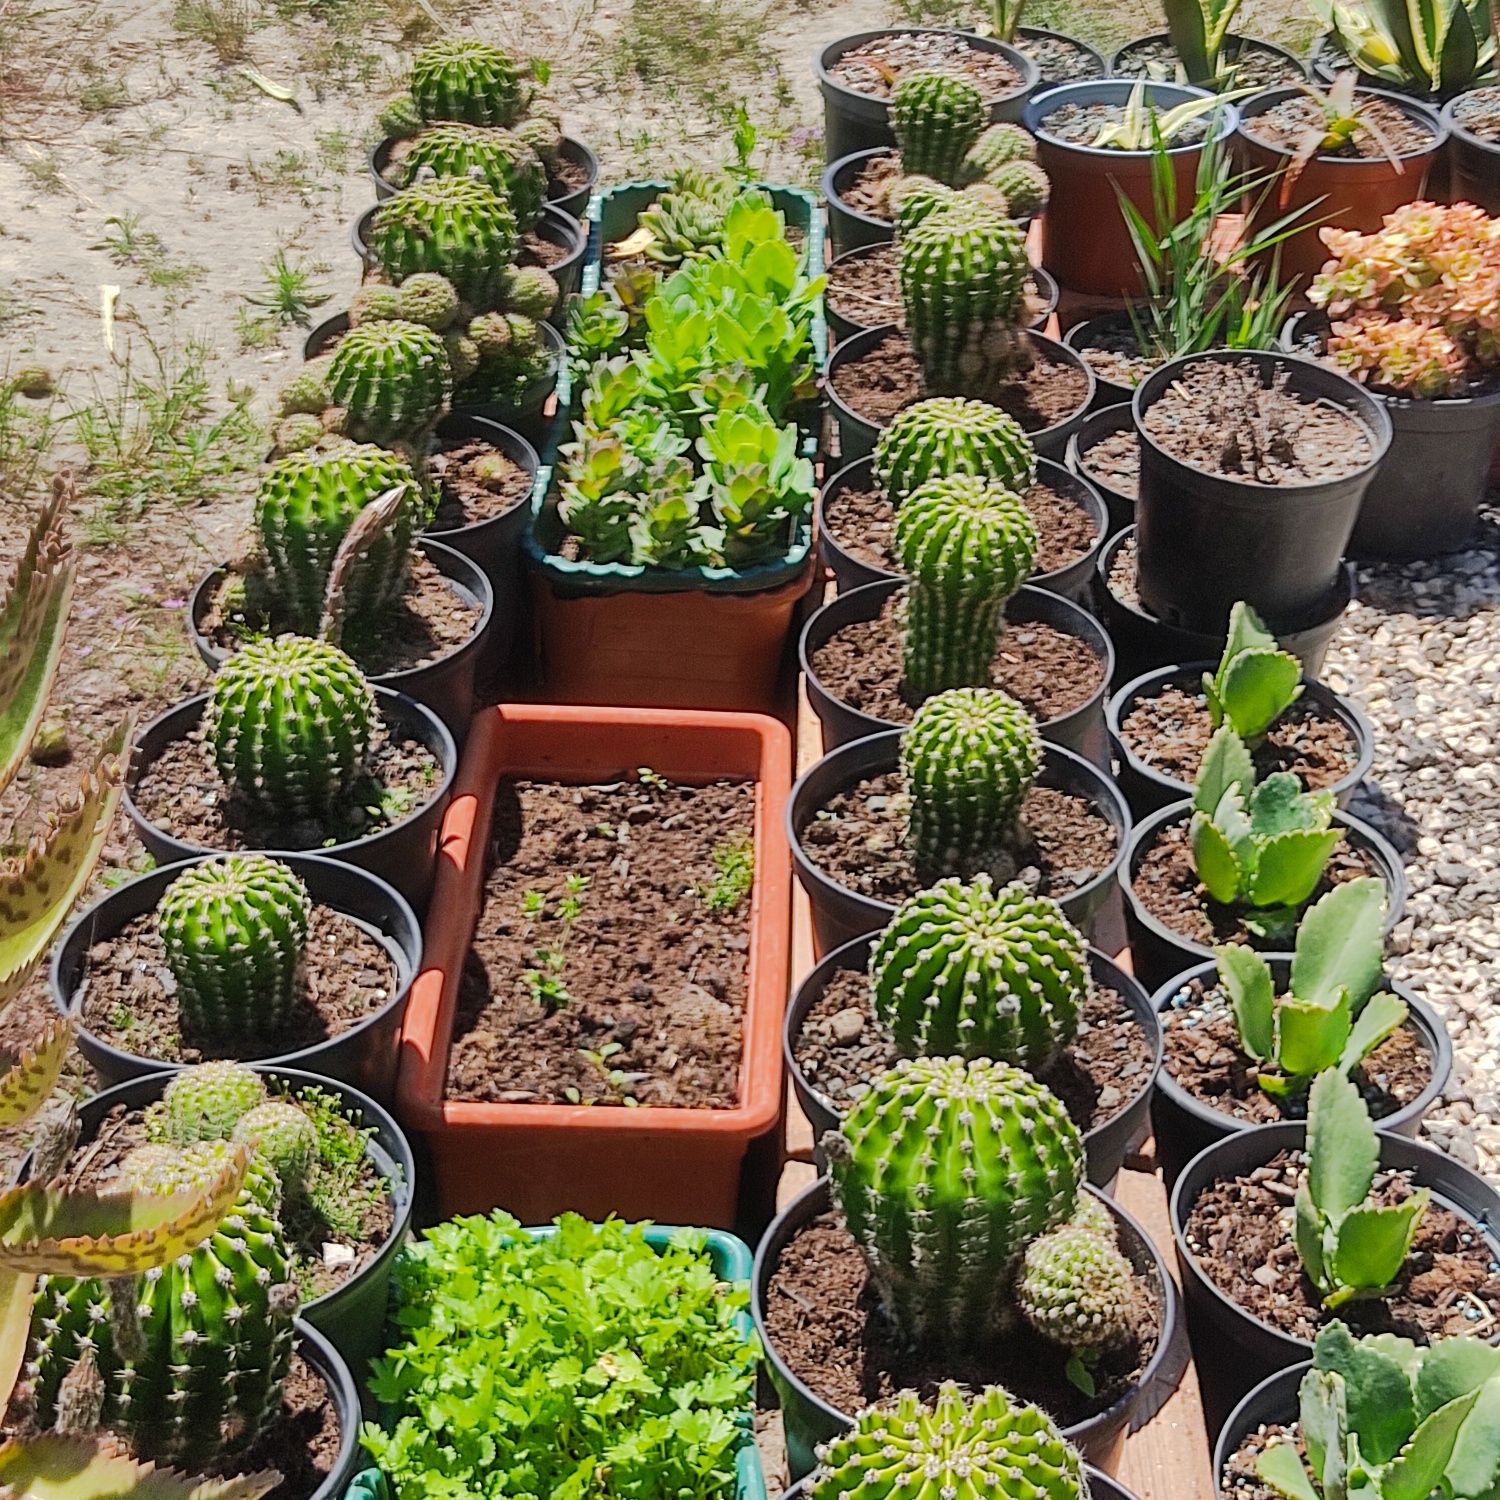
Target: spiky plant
(463,78)
(966,545)
(203,1103)
(947,435)
(374,302)
(936,118)
(392,379)
(998,146)
(498,158)
(429,299)
(460,228)
(281,1135)
(909,200)
(530,291)
(306,393)
(1025,187)
(1077,1290)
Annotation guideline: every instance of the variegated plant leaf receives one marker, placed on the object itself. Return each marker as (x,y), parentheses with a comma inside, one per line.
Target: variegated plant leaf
(59,1467)
(28,1083)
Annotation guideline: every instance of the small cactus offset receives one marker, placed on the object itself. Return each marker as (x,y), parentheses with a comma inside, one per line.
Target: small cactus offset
(282,1136)
(498,158)
(290,723)
(950,435)
(465,79)
(966,545)
(374,302)
(542,131)
(1025,187)
(460,228)
(400,118)
(1078,1291)
(968,760)
(944,1172)
(427,298)
(203,1103)
(982,1446)
(530,291)
(936,118)
(392,379)
(911,199)
(969,971)
(234,929)
(999,146)
(306,393)
(963,285)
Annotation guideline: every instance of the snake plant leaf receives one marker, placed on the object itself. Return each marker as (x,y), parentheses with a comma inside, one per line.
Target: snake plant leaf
(1279,1467)
(1340,944)
(1342,1149)
(1380,1018)
(1371,1245)
(1188,28)
(55,1466)
(1377,1387)
(1452,1368)
(28,1083)
(1418,1469)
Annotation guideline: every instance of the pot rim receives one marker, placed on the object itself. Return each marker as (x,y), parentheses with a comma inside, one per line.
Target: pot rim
(1044,104)
(1259,43)
(1449,114)
(1236,1424)
(1422,112)
(832,52)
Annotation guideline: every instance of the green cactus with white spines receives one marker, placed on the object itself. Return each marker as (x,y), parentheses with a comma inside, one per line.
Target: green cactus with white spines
(465,79)
(427,298)
(966,545)
(946,435)
(911,199)
(235,928)
(936,118)
(295,433)
(283,1136)
(496,157)
(391,378)
(399,117)
(944,1172)
(290,723)
(986,1445)
(1025,187)
(971,971)
(306,393)
(997,147)
(530,291)
(375,302)
(1077,1290)
(214,1337)
(457,227)
(202,1103)
(963,284)
(304,506)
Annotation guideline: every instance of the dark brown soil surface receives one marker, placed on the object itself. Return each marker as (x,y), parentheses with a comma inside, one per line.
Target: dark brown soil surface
(1080,124)
(824,1319)
(1478,111)
(906,52)
(866,192)
(1222,418)
(863,523)
(859,839)
(180,792)
(1051,672)
(842,1046)
(639,997)
(1255,67)
(887,379)
(1286,126)
(1115,461)
(1170,731)
(537,251)
(1203,1055)
(1113,354)
(567,177)
(866,289)
(1240,1231)
(1167,885)
(130,997)
(466,498)
(1060,60)
(1239,1480)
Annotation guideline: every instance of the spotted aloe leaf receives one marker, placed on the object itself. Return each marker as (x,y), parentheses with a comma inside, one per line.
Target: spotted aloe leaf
(28,1083)
(55,1466)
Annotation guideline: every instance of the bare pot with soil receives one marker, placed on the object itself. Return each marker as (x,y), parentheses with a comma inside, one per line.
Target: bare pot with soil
(1060,58)
(1108,344)
(1473,123)
(1106,452)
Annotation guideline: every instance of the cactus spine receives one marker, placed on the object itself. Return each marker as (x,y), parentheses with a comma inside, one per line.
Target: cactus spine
(392,379)
(498,158)
(457,227)
(936,118)
(462,78)
(204,1102)
(1077,1290)
(998,146)
(947,435)
(283,1136)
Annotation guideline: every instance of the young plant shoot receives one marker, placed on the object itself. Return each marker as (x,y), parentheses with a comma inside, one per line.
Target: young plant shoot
(1256,681)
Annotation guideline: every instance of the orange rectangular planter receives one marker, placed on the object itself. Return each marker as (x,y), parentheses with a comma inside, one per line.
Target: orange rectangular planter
(678,1166)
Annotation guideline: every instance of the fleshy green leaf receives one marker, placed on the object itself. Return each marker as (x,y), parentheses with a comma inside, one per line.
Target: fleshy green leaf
(1247,632)
(1246,977)
(1213,859)
(1452,1368)
(1380,1018)
(1417,1470)
(58,1467)
(1279,1467)
(28,1083)
(1226,763)
(1310,1038)
(1372,1243)
(1307,1234)
(1279,805)
(1290,866)
(1324,1423)
(1342,1150)
(1474,1468)
(1377,1390)
(1341,944)
(1257,689)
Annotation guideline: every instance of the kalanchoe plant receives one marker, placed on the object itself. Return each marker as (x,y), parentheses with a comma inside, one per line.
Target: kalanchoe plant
(1334,1013)
(1436,47)
(1256,681)
(1351,1246)
(948,435)
(936,118)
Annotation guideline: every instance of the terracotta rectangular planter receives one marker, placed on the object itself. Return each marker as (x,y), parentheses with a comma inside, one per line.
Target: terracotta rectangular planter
(713,1167)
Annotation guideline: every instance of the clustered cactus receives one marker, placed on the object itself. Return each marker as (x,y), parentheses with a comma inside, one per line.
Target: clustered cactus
(392,379)
(499,158)
(947,435)
(454,226)
(465,79)
(936,118)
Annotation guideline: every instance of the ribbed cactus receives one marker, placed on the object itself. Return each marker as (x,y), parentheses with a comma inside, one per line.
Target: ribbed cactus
(214,1339)
(530,291)
(460,228)
(391,378)
(1025,186)
(1077,1290)
(427,298)
(542,131)
(969,971)
(944,1172)
(462,78)
(936,118)
(498,158)
(963,285)
(911,199)
(949,435)
(999,145)
(984,1446)
(234,929)
(304,507)
(968,759)
(966,545)
(290,722)
(307,391)
(281,1135)
(374,302)
(203,1103)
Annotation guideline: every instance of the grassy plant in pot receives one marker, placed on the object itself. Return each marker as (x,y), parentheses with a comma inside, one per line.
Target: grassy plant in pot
(1433,49)
(1282,1229)
(953,1240)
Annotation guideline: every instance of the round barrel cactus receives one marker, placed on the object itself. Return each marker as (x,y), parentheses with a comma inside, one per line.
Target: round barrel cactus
(463,78)
(998,146)
(1077,1290)
(203,1103)
(498,158)
(1025,187)
(392,379)
(936,118)
(283,1136)
(947,435)
(457,227)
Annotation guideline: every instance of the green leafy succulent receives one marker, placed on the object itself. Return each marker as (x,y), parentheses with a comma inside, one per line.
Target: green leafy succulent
(758,482)
(1256,681)
(1438,47)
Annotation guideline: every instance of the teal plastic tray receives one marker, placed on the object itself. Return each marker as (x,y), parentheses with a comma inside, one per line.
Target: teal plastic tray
(731,1260)
(612,215)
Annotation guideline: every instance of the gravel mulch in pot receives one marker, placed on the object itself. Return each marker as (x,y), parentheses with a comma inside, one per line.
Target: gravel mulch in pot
(476,482)
(866,192)
(866,289)
(1285,126)
(1254,67)
(1478,111)
(1240,1232)
(1114,354)
(640,994)
(1059,59)
(864,68)
(1115,461)
(1080,124)
(1239,1480)
(1122,576)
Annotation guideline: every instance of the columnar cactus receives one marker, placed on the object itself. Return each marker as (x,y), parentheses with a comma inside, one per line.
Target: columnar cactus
(963,285)
(462,78)
(936,118)
(969,971)
(968,760)
(966,545)
(460,228)
(944,1172)
(203,1103)
(392,379)
(498,158)
(215,1325)
(985,1446)
(1077,1290)
(234,929)
(949,435)
(289,722)
(282,1136)
(304,507)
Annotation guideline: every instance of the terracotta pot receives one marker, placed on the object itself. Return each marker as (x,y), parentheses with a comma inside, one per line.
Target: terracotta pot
(1349,192)
(674,1165)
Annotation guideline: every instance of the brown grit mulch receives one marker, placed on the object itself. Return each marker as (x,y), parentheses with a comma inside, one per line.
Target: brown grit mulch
(475,482)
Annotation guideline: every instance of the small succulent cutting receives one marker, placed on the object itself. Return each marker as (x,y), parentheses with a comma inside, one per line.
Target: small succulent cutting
(949,435)
(1141,126)
(1256,681)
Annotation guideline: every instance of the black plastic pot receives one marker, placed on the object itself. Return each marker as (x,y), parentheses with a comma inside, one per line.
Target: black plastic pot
(1107,1145)
(1273,1403)
(1100,1487)
(1204,540)
(1147,789)
(855,122)
(364,1055)
(324,1360)
(1425,499)
(1073,582)
(1082,730)
(1185,1125)
(1157,953)
(839,914)
(857,434)
(808,1420)
(1235,1349)
(1473,162)
(1097,65)
(1143,643)
(1108,394)
(574,203)
(1119,63)
(1098,425)
(405,855)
